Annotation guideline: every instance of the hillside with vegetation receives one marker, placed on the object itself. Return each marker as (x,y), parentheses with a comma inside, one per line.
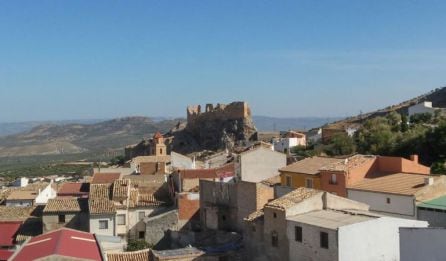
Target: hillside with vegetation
(392,135)
(52,139)
(437,97)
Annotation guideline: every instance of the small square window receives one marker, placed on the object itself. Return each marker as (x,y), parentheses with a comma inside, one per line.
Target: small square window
(324,240)
(103,224)
(141,234)
(61,218)
(274,215)
(388,200)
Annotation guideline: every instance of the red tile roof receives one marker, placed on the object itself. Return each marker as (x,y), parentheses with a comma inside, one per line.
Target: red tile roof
(105,178)
(222,172)
(63,242)
(76,189)
(5,254)
(157,135)
(8,231)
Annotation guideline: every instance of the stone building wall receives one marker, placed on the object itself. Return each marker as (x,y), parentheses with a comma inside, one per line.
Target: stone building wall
(232,111)
(78,221)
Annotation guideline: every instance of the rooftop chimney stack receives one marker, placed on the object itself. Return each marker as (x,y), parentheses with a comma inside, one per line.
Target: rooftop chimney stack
(428,181)
(414,158)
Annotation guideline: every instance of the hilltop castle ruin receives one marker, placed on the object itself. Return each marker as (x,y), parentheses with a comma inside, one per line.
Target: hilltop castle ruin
(232,111)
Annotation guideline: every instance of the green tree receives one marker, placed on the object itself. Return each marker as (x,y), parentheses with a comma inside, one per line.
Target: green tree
(438,167)
(376,137)
(394,120)
(404,126)
(341,144)
(118,160)
(421,118)
(135,245)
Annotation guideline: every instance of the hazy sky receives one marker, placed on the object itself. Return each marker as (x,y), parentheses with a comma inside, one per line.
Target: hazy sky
(102,59)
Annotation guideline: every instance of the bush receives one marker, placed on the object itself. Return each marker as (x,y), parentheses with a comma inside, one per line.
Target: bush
(135,245)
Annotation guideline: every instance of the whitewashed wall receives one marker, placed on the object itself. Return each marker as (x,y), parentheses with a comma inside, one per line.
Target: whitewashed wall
(399,204)
(373,240)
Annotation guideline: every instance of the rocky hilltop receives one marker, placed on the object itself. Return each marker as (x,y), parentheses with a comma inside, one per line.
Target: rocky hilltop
(214,128)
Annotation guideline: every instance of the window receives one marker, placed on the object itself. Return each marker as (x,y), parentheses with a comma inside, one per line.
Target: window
(141,215)
(61,218)
(120,219)
(333,179)
(274,214)
(288,181)
(141,234)
(103,224)
(223,217)
(388,200)
(309,183)
(161,151)
(324,240)
(274,239)
(298,233)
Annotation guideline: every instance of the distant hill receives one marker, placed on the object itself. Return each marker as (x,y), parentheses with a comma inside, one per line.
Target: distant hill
(265,123)
(10,128)
(53,139)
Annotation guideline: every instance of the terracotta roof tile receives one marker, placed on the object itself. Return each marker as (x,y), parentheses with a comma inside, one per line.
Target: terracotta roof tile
(100,190)
(22,195)
(142,255)
(57,205)
(73,188)
(398,183)
(121,189)
(15,213)
(292,198)
(157,135)
(101,206)
(255,215)
(310,165)
(223,171)
(143,159)
(348,163)
(105,178)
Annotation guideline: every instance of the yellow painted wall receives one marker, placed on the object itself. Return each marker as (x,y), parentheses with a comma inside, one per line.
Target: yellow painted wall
(298,179)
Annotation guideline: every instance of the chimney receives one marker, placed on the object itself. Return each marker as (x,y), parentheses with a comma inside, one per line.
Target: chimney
(414,158)
(428,181)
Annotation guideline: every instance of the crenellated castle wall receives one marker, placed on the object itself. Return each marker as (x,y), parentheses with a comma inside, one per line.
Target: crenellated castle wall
(232,111)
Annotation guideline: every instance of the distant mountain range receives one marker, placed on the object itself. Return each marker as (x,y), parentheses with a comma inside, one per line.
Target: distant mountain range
(72,138)
(265,123)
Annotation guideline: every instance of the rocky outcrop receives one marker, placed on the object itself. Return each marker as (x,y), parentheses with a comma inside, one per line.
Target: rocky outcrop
(218,127)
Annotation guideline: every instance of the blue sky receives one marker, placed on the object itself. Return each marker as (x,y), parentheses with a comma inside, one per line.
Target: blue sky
(103,59)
